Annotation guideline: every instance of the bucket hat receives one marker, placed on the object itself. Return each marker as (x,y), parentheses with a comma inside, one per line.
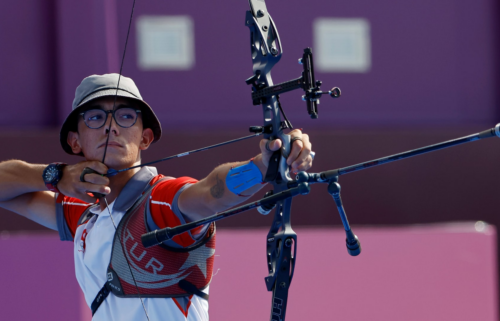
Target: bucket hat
(97,86)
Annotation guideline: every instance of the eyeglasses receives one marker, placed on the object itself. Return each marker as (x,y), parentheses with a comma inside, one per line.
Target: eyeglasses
(124,117)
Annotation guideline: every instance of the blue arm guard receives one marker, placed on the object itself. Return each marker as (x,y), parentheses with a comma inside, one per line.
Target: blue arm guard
(243,177)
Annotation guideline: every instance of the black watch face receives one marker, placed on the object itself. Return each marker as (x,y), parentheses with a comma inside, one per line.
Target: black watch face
(51,174)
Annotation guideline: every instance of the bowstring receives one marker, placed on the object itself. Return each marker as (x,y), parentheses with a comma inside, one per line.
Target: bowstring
(104,157)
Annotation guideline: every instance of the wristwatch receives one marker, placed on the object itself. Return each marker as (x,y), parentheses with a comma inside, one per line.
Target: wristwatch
(52,174)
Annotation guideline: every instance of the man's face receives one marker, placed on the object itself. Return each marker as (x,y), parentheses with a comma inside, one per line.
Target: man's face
(124,144)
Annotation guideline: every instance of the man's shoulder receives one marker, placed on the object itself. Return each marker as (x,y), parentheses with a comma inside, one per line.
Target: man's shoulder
(164,209)
(69,210)
(166,186)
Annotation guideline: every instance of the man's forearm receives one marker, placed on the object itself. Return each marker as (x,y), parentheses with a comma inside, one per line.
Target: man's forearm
(18,178)
(211,194)
(222,196)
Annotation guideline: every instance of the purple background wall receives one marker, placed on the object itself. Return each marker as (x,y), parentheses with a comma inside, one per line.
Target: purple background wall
(433,62)
(28,65)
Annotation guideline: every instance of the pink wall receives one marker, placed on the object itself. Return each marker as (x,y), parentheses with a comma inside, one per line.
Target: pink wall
(442,272)
(428,272)
(37,279)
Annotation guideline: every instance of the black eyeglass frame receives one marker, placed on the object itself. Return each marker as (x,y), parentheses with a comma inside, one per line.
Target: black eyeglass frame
(112,112)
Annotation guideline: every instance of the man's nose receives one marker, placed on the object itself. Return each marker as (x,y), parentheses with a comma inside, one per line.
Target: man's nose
(110,121)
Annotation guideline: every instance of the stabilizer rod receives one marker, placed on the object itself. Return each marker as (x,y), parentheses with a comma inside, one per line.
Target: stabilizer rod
(327,175)
(156,237)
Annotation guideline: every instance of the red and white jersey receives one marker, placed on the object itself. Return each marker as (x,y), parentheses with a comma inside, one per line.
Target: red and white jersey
(93,244)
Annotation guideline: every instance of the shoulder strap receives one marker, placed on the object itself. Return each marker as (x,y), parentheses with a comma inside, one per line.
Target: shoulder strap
(192,289)
(87,215)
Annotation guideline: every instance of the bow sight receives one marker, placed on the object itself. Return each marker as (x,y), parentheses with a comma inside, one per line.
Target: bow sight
(266,52)
(261,91)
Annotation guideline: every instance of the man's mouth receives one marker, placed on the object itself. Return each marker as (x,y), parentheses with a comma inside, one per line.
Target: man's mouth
(110,144)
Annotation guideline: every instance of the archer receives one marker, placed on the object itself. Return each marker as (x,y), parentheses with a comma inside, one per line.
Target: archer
(111,121)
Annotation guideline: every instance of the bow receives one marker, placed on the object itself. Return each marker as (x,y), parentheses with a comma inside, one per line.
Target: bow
(266,51)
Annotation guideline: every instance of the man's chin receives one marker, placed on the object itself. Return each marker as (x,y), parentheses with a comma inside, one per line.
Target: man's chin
(113,161)
(118,164)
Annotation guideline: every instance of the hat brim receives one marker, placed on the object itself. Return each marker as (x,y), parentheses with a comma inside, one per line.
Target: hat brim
(70,123)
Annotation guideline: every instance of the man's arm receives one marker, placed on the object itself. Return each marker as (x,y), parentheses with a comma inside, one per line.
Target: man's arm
(211,195)
(23,191)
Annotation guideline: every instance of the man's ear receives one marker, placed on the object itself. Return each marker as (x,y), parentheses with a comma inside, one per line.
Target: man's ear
(147,138)
(74,142)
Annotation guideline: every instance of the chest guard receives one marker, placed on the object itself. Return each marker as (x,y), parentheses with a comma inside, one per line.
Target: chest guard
(159,271)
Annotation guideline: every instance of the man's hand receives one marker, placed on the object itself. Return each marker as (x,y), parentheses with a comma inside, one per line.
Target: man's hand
(70,184)
(300,158)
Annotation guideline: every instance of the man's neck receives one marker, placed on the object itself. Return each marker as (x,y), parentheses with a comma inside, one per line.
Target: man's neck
(117,183)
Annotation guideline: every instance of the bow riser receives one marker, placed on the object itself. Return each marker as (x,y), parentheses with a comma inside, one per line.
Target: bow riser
(281,240)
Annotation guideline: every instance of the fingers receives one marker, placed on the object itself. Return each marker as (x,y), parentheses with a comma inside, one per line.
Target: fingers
(82,190)
(300,158)
(269,146)
(97,166)
(96,179)
(303,166)
(85,188)
(94,182)
(296,149)
(100,168)
(70,184)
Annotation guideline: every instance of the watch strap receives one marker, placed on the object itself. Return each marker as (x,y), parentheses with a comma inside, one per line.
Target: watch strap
(52,185)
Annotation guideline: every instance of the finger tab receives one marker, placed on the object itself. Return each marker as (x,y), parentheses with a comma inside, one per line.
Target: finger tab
(87,170)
